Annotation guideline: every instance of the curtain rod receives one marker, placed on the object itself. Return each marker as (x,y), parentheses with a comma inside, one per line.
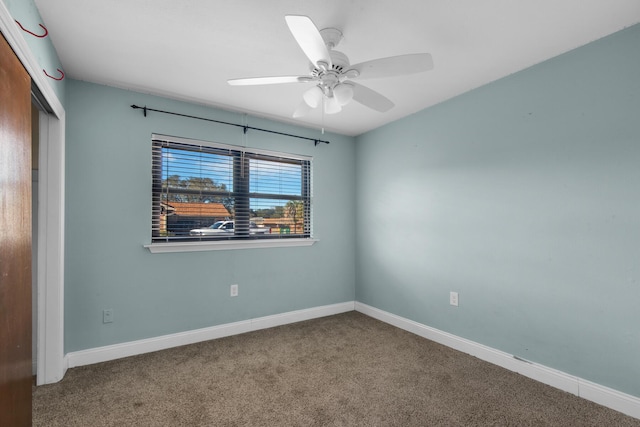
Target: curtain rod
(244,127)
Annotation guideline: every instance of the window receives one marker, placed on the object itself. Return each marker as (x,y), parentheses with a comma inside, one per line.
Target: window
(205,191)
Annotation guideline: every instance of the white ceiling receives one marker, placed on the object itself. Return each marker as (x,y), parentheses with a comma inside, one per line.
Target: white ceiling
(188,49)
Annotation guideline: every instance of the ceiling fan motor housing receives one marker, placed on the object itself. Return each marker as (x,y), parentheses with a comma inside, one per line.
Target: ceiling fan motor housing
(340,63)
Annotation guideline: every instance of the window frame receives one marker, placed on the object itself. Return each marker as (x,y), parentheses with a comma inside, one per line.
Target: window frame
(200,244)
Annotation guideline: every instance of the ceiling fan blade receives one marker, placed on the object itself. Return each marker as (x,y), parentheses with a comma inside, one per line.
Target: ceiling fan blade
(394,66)
(302,110)
(308,37)
(370,98)
(252,81)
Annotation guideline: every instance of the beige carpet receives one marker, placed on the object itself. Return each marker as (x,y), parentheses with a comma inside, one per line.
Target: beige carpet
(344,370)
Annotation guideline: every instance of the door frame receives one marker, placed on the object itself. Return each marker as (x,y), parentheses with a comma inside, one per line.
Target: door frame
(51,363)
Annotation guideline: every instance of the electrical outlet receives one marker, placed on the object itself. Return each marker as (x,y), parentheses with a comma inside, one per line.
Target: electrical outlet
(453,298)
(234,290)
(107,315)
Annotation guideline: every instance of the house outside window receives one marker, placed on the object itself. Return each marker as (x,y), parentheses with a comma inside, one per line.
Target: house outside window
(204,191)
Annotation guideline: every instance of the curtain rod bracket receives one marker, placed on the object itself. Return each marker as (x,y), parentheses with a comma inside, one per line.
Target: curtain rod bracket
(144,109)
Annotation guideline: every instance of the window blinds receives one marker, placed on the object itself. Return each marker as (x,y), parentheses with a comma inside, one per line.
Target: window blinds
(210,191)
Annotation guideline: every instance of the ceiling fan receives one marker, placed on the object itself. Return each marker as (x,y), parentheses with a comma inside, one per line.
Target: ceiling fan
(333,75)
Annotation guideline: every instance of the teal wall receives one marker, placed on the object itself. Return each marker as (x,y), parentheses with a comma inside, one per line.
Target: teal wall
(523,196)
(26,12)
(108,220)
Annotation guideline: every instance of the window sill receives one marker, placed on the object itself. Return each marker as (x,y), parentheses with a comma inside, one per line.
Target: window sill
(227,245)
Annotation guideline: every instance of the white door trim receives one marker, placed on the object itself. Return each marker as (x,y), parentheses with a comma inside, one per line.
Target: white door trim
(51,358)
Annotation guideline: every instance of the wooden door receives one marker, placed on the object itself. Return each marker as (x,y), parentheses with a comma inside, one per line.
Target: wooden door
(15,240)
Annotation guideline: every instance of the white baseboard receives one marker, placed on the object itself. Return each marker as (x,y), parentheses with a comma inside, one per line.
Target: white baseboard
(625,403)
(117,351)
(602,395)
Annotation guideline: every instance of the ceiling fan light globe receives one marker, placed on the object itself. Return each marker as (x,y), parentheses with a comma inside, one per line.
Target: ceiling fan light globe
(313,96)
(331,105)
(343,93)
